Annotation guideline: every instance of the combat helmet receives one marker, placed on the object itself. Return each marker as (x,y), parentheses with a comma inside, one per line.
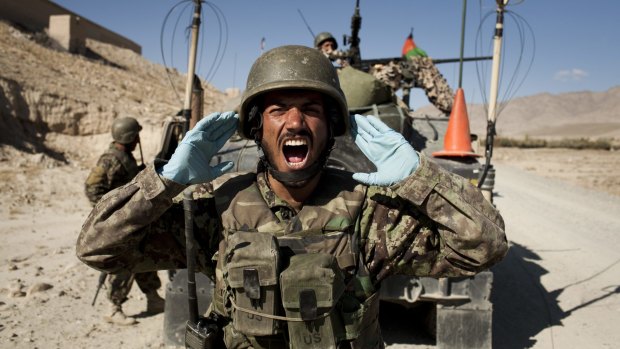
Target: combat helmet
(321,37)
(293,67)
(125,130)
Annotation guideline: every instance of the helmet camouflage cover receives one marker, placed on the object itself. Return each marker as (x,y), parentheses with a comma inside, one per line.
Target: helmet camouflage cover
(125,130)
(321,37)
(293,67)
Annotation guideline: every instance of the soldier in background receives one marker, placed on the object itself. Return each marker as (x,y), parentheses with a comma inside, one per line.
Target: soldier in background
(416,70)
(326,43)
(116,167)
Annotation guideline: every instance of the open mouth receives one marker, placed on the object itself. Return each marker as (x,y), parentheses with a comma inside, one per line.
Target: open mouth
(295,152)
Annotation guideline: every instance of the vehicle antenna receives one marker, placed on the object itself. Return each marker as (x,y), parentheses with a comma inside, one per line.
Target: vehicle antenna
(191,64)
(462,43)
(497,56)
(306,22)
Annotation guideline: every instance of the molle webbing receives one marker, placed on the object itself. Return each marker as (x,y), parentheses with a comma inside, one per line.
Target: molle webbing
(323,227)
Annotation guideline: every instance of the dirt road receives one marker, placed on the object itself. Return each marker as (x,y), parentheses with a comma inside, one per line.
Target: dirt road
(557,288)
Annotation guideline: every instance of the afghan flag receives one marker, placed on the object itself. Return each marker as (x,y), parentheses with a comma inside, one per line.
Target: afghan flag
(411,50)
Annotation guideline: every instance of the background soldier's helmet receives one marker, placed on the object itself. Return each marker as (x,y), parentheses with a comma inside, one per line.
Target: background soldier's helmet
(293,67)
(321,37)
(125,130)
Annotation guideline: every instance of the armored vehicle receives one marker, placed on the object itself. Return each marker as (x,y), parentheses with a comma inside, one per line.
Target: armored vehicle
(459,311)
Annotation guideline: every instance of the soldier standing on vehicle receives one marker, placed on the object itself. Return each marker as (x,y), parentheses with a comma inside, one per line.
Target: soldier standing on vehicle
(326,43)
(116,167)
(297,250)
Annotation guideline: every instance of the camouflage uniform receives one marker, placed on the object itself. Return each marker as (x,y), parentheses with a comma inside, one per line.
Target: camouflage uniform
(417,72)
(433,223)
(114,169)
(389,73)
(340,58)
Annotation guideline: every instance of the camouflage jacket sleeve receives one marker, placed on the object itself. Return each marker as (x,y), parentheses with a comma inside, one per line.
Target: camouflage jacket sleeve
(434,223)
(138,227)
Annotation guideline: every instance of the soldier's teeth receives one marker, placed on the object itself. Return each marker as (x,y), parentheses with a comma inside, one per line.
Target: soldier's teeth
(295,142)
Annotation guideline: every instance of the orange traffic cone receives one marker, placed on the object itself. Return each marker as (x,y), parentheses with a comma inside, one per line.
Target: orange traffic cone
(457,141)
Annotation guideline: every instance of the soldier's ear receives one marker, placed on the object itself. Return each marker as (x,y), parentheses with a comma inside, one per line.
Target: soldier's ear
(337,123)
(255,122)
(258,136)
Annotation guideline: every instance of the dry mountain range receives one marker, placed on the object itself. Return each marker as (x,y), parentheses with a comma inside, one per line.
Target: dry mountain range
(57,103)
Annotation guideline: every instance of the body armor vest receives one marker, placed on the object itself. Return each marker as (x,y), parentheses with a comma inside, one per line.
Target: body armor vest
(298,278)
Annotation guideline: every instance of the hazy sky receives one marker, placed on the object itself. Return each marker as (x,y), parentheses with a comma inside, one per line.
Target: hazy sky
(574,44)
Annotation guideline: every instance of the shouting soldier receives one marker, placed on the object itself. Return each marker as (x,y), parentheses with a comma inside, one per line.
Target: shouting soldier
(297,250)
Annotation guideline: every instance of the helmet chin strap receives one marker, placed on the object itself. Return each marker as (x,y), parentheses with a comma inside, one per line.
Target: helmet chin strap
(294,179)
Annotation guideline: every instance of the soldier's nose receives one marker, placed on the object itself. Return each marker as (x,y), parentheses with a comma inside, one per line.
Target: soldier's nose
(294,118)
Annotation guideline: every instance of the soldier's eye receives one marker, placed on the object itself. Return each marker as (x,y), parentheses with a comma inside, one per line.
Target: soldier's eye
(313,111)
(275,111)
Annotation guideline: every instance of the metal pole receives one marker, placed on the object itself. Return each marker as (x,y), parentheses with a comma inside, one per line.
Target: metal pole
(192,299)
(197,102)
(462,43)
(486,181)
(188,203)
(191,64)
(406,95)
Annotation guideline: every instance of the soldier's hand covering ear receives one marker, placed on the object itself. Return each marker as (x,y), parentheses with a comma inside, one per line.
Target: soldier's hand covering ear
(393,156)
(190,162)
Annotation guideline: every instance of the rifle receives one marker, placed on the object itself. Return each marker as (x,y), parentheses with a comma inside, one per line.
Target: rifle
(102,276)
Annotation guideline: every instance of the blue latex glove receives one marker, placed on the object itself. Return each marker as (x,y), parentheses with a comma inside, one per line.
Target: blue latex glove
(393,156)
(190,162)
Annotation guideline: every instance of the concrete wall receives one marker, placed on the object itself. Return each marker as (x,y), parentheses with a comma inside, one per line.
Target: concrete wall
(65,30)
(35,15)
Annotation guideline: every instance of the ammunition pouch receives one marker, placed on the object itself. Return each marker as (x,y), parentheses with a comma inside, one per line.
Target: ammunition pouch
(311,287)
(362,325)
(251,265)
